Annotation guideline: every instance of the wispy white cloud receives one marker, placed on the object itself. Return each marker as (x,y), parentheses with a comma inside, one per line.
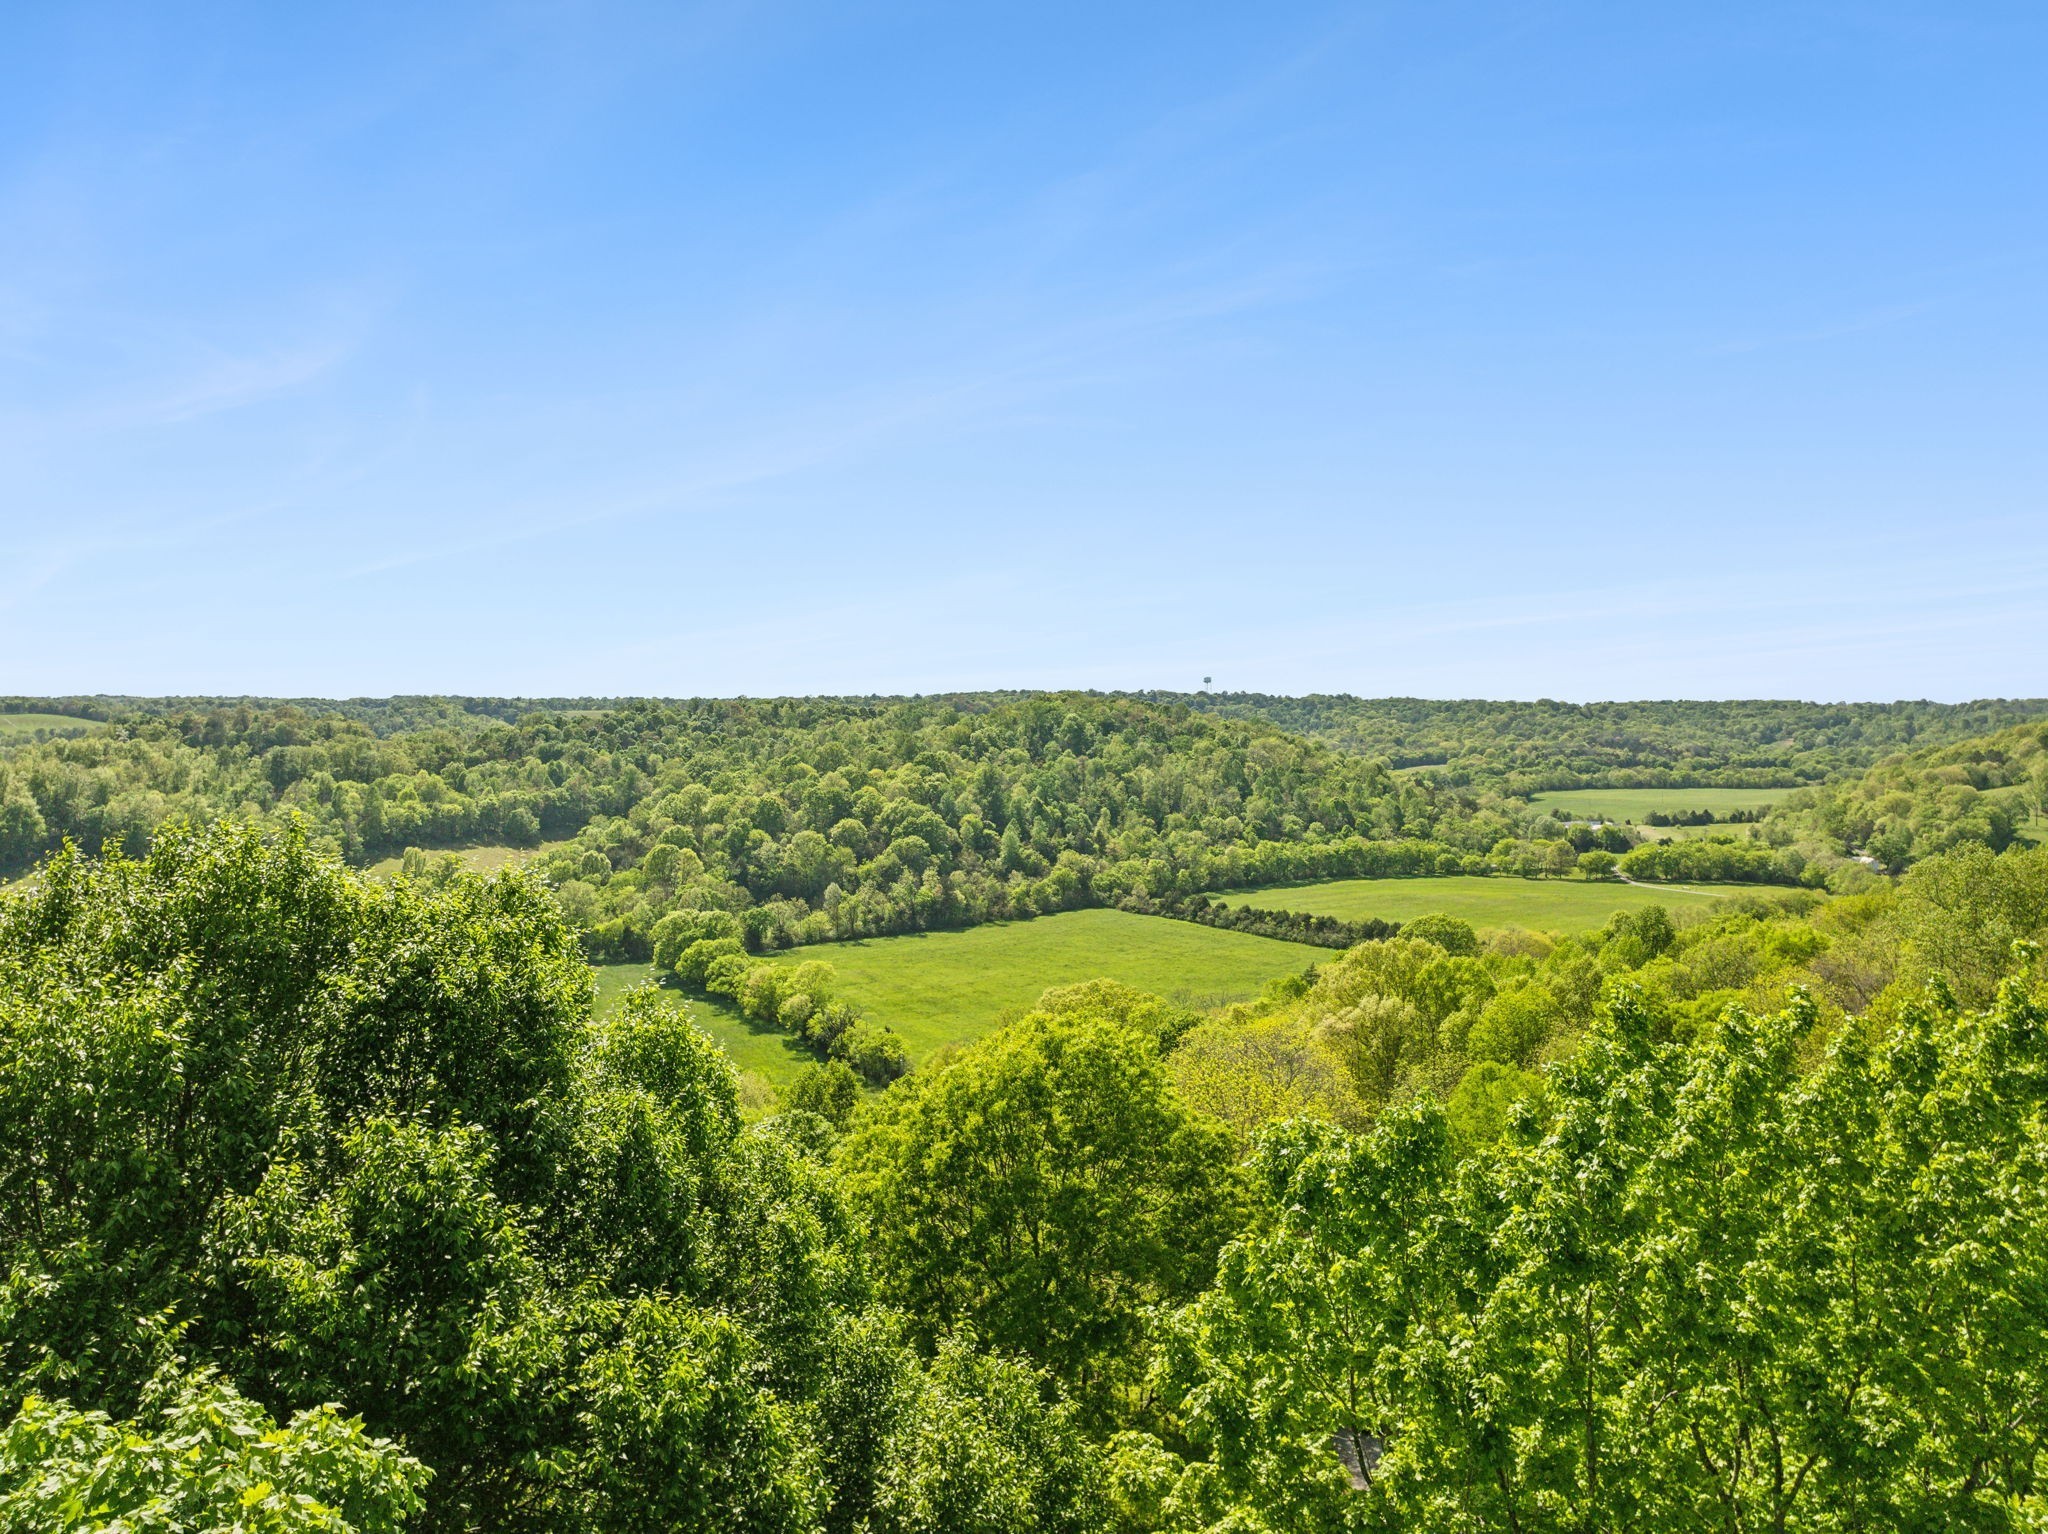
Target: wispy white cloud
(178,380)
(1024,366)
(232,383)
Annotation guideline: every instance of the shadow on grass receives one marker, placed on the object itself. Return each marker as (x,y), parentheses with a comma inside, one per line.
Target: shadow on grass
(716,1015)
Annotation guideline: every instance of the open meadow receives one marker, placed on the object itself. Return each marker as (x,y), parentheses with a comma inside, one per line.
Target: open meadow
(754,1047)
(1542,905)
(937,988)
(476,860)
(1633,804)
(15,728)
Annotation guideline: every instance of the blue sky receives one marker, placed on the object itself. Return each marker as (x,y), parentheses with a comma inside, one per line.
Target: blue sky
(1576,351)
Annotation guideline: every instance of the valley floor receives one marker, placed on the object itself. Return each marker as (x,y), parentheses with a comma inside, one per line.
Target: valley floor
(1541,905)
(937,988)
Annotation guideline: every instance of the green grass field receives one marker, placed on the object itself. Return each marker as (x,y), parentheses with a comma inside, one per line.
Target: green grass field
(1739,830)
(1542,905)
(944,987)
(20,727)
(482,860)
(938,987)
(1635,803)
(2029,826)
(753,1047)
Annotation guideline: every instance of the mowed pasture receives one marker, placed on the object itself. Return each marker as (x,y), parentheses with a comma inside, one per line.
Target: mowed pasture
(938,988)
(478,860)
(1541,905)
(1740,830)
(1635,804)
(15,728)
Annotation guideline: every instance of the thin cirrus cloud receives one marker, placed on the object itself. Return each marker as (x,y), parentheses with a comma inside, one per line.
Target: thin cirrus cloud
(1030,369)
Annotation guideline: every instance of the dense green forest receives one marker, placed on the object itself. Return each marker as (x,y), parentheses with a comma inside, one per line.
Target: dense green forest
(1529,747)
(327,1202)
(812,820)
(332,1198)
(1989,792)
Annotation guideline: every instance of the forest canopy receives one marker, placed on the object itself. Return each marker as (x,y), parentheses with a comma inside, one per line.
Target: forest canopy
(339,1187)
(1527,747)
(810,820)
(329,1202)
(274,1136)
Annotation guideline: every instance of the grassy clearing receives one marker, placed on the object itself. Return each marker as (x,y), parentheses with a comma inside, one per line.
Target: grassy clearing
(1542,905)
(19,727)
(939,988)
(481,860)
(755,1048)
(1739,830)
(2031,828)
(614,980)
(1634,803)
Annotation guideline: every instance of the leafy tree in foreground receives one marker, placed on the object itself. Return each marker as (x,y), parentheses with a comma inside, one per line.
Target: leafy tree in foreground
(1045,1187)
(203,1457)
(397,1282)
(1959,915)
(1720,1293)
(980,1453)
(359,1143)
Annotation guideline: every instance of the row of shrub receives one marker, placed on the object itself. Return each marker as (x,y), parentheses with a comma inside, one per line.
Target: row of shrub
(1702,817)
(705,950)
(1724,862)
(1288,926)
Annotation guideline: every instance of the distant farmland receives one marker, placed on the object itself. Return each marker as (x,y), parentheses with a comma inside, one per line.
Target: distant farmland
(938,988)
(15,728)
(480,860)
(1635,804)
(1542,905)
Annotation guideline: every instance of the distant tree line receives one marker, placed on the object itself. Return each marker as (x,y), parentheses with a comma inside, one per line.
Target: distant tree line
(1716,861)
(1525,747)
(806,819)
(702,951)
(818,819)
(1702,817)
